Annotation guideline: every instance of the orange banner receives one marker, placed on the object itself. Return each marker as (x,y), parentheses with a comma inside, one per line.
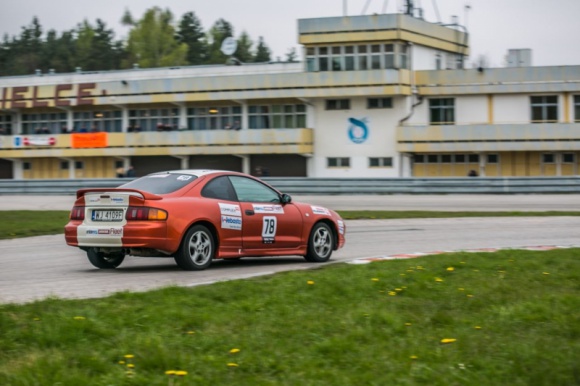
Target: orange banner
(88,140)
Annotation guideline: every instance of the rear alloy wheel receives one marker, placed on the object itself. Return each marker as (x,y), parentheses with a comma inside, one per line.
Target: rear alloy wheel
(104,261)
(197,249)
(320,244)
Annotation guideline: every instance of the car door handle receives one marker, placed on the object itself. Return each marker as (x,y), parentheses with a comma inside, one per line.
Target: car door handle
(249,212)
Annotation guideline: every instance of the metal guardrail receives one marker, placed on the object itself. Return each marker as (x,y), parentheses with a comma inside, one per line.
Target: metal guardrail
(303,185)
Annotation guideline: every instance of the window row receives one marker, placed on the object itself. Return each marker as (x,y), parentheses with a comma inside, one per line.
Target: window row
(357,57)
(372,103)
(373,162)
(547,158)
(543,109)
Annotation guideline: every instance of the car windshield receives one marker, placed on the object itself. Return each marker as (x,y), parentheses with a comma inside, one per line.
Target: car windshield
(160,183)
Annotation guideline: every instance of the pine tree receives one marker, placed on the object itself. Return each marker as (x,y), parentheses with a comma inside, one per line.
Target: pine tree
(262,52)
(190,32)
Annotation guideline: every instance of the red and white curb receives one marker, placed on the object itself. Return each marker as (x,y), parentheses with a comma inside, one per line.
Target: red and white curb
(366,260)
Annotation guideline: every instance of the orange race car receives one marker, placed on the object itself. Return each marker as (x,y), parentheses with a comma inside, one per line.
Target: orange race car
(196,216)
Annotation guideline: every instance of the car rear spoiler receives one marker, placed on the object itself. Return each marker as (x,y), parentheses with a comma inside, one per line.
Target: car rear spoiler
(145,195)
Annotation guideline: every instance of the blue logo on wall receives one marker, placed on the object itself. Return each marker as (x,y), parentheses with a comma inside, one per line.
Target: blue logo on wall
(17,141)
(358,131)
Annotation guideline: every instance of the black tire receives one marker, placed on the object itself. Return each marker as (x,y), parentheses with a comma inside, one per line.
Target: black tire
(103,261)
(320,243)
(197,249)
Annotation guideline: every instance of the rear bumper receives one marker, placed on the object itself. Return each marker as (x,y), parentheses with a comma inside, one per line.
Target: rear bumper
(135,234)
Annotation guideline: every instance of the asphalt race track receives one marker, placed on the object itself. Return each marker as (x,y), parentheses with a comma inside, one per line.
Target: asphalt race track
(37,267)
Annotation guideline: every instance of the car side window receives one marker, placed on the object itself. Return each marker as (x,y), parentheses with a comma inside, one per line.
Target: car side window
(249,190)
(220,188)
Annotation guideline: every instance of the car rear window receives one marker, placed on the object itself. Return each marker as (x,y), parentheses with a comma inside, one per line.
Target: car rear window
(160,183)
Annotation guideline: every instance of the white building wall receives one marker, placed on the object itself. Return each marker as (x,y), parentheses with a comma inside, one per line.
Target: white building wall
(331,139)
(511,108)
(471,109)
(424,58)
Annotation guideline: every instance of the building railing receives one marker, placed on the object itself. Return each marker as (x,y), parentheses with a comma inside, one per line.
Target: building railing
(301,185)
(254,141)
(489,137)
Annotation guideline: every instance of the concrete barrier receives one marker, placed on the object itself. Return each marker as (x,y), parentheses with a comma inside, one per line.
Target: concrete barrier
(338,186)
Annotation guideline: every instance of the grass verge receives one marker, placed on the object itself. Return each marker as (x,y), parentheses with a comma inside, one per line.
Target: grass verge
(26,223)
(504,318)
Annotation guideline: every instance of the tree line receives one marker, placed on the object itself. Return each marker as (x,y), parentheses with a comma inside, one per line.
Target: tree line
(155,40)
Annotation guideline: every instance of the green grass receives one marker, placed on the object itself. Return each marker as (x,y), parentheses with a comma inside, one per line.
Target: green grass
(25,223)
(375,324)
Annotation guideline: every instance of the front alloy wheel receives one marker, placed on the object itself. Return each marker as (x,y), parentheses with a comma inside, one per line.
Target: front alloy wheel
(320,243)
(197,249)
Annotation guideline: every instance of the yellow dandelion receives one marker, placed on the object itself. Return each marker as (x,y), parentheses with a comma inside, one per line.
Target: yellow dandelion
(191,332)
(180,373)
(232,364)
(404,287)
(130,365)
(129,373)
(461,289)
(414,357)
(79,318)
(375,279)
(477,327)
(310,282)
(401,274)
(438,279)
(234,350)
(407,324)
(546,273)
(448,340)
(392,293)
(170,372)
(121,362)
(476,270)
(36,319)
(469,295)
(398,289)
(450,269)
(409,270)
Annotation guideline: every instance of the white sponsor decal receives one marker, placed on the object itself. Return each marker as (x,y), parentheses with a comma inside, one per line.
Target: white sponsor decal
(184,178)
(38,141)
(320,210)
(269,226)
(341,227)
(270,209)
(92,199)
(115,231)
(159,176)
(230,209)
(231,222)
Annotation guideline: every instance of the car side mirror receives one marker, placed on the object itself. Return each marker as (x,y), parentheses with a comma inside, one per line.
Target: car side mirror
(285,198)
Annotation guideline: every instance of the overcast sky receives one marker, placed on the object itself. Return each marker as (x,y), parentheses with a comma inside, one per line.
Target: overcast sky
(549,27)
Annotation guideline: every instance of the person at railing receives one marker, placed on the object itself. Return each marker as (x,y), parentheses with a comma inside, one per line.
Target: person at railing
(236,125)
(472,173)
(130,171)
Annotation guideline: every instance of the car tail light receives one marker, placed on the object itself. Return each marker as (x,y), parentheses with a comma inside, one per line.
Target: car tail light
(142,213)
(77,213)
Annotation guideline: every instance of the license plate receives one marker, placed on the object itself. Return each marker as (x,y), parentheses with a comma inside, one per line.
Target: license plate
(107,215)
